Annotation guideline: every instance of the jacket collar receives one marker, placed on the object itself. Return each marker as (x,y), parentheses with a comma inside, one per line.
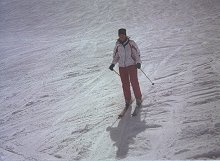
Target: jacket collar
(124,43)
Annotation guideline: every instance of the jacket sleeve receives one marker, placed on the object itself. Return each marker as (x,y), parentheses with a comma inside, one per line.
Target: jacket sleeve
(115,55)
(136,52)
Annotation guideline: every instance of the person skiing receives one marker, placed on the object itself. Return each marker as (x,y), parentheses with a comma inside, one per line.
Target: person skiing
(127,54)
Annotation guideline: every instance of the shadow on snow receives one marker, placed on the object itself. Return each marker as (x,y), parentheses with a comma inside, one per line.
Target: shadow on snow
(125,133)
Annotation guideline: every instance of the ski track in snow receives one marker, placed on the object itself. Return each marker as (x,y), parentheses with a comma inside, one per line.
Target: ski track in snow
(59,101)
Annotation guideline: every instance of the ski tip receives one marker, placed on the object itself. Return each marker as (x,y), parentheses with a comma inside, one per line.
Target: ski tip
(133,115)
(120,116)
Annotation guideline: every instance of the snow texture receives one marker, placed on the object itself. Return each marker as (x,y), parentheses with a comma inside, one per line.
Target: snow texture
(59,100)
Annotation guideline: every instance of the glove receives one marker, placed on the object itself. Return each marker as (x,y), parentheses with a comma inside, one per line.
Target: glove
(111,67)
(138,65)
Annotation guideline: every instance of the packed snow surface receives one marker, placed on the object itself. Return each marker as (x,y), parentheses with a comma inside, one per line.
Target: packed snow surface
(59,100)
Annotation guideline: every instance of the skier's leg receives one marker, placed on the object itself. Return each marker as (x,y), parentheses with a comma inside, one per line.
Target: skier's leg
(135,83)
(125,84)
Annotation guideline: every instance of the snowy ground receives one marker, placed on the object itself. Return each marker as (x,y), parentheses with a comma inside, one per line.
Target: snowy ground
(59,100)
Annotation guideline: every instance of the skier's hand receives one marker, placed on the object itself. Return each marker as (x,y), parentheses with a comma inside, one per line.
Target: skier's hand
(111,67)
(138,65)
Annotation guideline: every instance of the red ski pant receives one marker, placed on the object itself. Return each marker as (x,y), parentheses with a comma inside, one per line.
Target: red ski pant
(129,76)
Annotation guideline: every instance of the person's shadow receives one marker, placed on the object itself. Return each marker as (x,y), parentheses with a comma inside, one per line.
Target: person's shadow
(125,133)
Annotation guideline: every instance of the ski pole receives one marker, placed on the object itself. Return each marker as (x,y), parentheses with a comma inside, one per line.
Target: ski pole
(147,77)
(116,72)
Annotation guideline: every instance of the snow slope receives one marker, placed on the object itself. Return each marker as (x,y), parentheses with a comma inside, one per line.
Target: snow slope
(59,100)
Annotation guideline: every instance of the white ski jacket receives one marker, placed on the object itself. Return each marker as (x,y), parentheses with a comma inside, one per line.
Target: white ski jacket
(126,54)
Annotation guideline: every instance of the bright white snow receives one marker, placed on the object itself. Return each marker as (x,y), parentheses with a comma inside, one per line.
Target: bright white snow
(59,100)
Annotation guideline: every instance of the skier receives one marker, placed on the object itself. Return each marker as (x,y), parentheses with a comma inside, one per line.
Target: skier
(127,55)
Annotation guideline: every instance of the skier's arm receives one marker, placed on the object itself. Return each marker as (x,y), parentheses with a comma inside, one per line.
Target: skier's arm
(136,53)
(115,55)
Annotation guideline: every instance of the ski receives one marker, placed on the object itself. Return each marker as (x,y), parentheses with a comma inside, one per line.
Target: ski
(123,112)
(137,108)
(136,111)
